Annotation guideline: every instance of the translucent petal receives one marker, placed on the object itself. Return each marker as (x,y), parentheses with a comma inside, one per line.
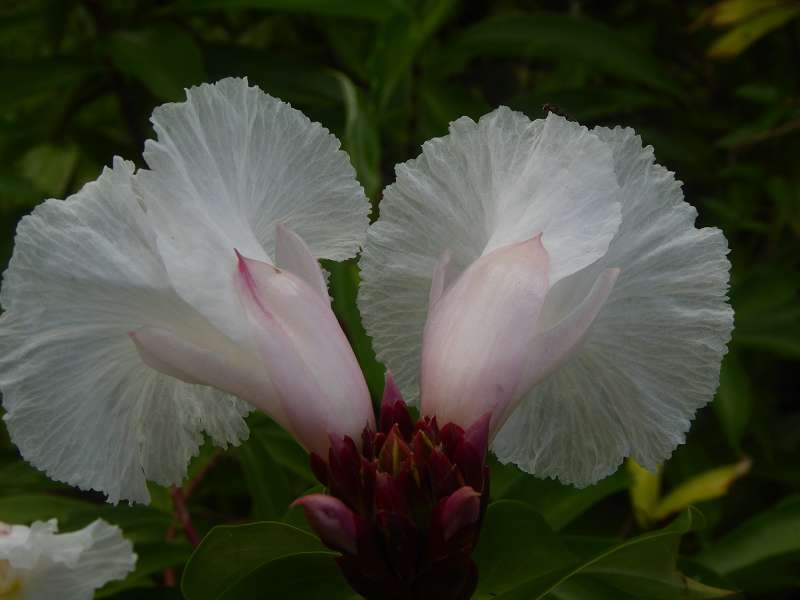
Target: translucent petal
(653,354)
(81,404)
(231,163)
(485,185)
(68,566)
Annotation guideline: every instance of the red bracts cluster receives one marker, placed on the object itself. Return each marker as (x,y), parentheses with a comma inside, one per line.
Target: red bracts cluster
(404,510)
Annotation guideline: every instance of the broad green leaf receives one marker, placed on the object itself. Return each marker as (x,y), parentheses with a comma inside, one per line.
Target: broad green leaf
(561,504)
(515,545)
(303,576)
(165,59)
(557,37)
(734,401)
(705,486)
(228,554)
(767,536)
(642,567)
(269,489)
(360,138)
(358,9)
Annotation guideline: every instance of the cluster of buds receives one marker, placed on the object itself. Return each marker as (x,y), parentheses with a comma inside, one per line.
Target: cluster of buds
(405,509)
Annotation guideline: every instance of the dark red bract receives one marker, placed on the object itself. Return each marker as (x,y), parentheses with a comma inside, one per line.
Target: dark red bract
(404,510)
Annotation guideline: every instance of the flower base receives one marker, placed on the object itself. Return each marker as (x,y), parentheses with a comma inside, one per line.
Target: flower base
(404,510)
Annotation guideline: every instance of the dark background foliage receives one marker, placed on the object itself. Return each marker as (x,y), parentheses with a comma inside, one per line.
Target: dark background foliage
(715,88)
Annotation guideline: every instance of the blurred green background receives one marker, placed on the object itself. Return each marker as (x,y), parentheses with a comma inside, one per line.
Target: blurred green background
(714,87)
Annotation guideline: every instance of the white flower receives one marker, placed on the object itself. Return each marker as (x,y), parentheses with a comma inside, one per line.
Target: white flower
(565,288)
(36,563)
(123,303)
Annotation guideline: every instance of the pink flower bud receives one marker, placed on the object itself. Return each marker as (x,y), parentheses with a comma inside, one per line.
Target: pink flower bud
(477,337)
(318,382)
(486,342)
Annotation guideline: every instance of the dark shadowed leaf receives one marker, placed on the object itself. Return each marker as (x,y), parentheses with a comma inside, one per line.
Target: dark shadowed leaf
(229,554)
(165,59)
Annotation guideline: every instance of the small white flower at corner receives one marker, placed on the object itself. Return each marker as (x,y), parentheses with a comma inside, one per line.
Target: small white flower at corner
(141,311)
(551,276)
(37,563)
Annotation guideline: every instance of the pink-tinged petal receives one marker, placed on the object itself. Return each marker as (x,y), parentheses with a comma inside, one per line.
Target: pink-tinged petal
(334,523)
(308,359)
(164,351)
(461,509)
(294,255)
(477,337)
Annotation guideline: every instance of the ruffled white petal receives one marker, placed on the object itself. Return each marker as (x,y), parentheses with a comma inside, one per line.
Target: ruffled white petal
(68,566)
(653,354)
(485,185)
(230,164)
(81,404)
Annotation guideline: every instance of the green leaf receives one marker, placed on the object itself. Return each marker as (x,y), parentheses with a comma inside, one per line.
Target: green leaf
(741,37)
(229,554)
(557,37)
(164,58)
(152,558)
(304,576)
(399,42)
(645,491)
(734,401)
(358,9)
(767,536)
(344,282)
(360,138)
(561,504)
(269,488)
(26,79)
(515,545)
(705,486)
(642,567)
(50,167)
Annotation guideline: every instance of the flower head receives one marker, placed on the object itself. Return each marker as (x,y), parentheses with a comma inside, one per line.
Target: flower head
(127,332)
(550,276)
(405,509)
(36,563)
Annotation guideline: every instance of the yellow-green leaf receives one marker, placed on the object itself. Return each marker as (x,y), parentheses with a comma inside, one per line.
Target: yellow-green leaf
(706,486)
(645,490)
